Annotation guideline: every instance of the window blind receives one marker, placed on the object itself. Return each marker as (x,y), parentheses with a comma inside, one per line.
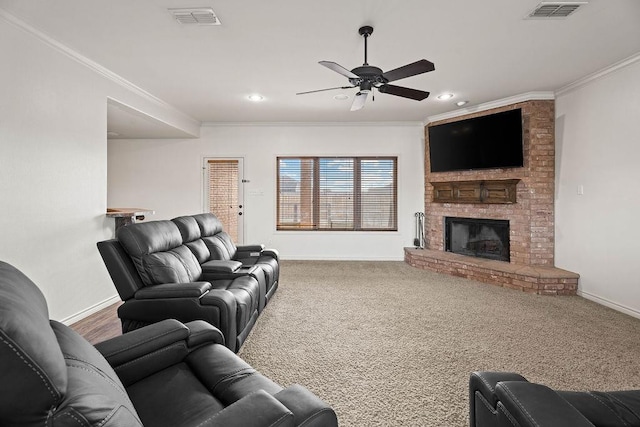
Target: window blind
(223,194)
(337,193)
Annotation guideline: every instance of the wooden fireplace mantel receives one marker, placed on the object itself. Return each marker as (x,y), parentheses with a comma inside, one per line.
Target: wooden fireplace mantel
(500,191)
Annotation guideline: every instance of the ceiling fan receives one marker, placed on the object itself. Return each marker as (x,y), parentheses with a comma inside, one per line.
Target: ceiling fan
(367,77)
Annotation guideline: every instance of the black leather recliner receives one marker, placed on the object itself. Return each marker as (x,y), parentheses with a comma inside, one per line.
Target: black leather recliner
(158,278)
(505,399)
(221,247)
(165,374)
(214,267)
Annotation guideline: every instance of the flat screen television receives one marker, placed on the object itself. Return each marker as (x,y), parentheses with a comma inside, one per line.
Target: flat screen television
(492,141)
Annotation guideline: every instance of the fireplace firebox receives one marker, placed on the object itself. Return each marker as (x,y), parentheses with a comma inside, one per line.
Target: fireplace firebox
(482,238)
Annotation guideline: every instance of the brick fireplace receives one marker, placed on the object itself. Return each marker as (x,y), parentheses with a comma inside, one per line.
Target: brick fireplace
(531,217)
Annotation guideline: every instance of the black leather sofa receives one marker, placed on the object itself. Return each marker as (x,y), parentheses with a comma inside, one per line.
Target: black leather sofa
(165,374)
(508,399)
(163,270)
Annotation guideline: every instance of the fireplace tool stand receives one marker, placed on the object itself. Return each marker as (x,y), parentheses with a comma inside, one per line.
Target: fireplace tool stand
(418,242)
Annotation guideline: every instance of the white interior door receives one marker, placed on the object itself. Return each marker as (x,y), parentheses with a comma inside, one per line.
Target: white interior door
(223,194)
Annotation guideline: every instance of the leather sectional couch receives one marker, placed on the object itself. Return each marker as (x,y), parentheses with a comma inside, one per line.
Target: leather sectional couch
(505,399)
(165,374)
(189,269)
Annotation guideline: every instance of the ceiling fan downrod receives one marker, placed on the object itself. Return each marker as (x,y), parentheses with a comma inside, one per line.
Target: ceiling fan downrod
(365,32)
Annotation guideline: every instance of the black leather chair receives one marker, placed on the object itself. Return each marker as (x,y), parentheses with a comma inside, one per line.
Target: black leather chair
(166,374)
(505,399)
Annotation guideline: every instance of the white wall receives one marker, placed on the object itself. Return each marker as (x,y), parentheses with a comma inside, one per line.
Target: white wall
(166,176)
(598,148)
(53,167)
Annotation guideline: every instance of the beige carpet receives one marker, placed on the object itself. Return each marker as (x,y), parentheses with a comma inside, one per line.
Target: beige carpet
(386,344)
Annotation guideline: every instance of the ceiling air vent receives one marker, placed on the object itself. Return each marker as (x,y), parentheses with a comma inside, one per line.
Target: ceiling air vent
(197,16)
(546,10)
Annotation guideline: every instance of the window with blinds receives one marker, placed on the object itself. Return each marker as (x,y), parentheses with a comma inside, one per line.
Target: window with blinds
(337,193)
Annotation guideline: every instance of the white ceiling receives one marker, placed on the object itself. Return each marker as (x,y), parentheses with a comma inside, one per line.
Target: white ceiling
(482,51)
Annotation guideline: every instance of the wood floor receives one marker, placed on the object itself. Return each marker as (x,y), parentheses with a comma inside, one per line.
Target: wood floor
(100,326)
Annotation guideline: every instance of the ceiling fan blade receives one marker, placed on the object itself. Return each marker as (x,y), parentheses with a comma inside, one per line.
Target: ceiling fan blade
(322,90)
(404,92)
(339,69)
(359,100)
(418,67)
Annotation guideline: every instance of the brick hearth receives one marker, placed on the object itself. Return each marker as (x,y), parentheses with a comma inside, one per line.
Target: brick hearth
(535,279)
(531,218)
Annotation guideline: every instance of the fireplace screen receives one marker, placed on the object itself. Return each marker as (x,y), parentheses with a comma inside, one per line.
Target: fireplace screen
(482,238)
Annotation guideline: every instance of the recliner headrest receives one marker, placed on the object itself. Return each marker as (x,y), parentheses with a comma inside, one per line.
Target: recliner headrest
(32,367)
(189,228)
(149,237)
(209,224)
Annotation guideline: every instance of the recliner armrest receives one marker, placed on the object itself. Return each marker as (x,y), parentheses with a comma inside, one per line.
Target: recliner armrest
(251,251)
(536,405)
(485,382)
(145,351)
(201,332)
(250,248)
(307,408)
(482,396)
(221,266)
(174,290)
(273,253)
(258,409)
(220,270)
(215,306)
(132,345)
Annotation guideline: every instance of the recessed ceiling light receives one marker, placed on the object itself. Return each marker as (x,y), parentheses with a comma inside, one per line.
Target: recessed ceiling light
(445,96)
(255,97)
(341,97)
(461,103)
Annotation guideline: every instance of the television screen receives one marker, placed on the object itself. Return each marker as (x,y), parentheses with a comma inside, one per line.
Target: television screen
(493,141)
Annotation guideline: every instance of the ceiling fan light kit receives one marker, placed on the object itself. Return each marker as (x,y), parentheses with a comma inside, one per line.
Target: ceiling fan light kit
(368,77)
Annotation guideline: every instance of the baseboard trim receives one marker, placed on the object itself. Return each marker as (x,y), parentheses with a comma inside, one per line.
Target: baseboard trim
(611,304)
(90,310)
(303,258)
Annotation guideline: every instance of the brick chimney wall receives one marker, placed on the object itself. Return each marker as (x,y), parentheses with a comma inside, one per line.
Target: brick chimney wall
(532,216)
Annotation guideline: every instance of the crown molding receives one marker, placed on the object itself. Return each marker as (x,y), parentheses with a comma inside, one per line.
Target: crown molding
(311,124)
(528,96)
(92,65)
(598,74)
